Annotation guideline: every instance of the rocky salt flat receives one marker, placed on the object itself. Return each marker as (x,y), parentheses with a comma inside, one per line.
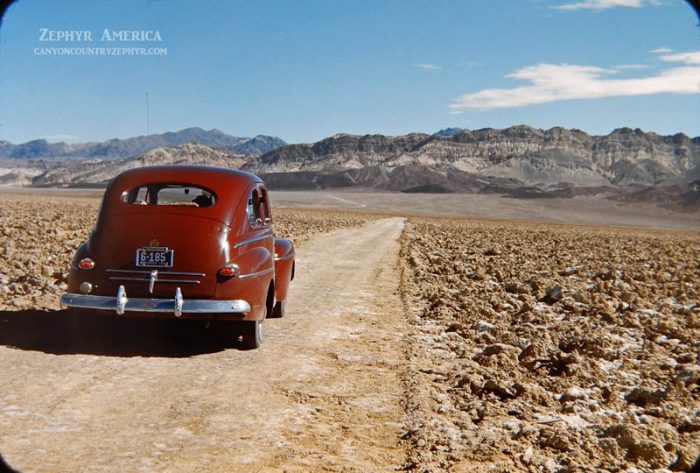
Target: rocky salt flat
(552,348)
(38,237)
(529,347)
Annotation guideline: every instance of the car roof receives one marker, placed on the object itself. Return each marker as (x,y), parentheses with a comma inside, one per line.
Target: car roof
(213,177)
(229,186)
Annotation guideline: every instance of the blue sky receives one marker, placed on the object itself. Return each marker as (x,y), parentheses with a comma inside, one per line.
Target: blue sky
(306,69)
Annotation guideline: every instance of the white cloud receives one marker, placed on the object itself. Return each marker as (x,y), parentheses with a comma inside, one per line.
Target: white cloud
(431,67)
(557,82)
(692,58)
(604,4)
(661,51)
(631,67)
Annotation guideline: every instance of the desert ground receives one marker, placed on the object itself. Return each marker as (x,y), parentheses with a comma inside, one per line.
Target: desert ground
(586,210)
(503,336)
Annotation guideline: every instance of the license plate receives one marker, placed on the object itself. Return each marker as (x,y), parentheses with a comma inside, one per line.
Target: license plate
(154,256)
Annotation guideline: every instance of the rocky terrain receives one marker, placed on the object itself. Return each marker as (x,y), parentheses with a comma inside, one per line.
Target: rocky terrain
(39,235)
(552,348)
(130,147)
(464,346)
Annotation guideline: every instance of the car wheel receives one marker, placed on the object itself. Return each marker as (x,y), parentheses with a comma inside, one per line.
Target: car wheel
(279,310)
(252,334)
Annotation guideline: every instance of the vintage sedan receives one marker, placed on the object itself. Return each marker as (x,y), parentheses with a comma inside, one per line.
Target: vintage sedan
(190,242)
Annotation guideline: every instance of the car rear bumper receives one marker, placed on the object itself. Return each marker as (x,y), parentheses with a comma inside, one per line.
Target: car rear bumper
(176,306)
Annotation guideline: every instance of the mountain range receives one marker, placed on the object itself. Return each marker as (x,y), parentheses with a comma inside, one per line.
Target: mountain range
(520,161)
(130,147)
(528,155)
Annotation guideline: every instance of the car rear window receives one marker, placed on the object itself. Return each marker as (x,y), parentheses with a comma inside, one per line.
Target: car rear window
(183,195)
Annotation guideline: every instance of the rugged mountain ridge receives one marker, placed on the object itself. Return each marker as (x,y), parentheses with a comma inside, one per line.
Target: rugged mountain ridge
(129,147)
(529,155)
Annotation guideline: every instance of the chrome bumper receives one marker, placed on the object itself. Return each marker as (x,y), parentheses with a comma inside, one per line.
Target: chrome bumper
(177,306)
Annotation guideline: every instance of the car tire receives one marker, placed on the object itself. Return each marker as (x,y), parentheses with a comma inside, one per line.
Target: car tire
(279,309)
(252,334)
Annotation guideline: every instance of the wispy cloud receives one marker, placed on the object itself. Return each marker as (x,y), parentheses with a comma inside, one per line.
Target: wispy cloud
(431,67)
(604,4)
(631,67)
(661,50)
(557,82)
(691,58)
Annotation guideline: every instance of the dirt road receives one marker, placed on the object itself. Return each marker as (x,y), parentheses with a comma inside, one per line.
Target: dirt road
(322,394)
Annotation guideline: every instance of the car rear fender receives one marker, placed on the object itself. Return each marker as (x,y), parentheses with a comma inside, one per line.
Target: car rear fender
(284,267)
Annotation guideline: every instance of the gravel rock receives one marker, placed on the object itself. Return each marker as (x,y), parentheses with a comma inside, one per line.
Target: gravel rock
(573,394)
(553,294)
(644,397)
(483,326)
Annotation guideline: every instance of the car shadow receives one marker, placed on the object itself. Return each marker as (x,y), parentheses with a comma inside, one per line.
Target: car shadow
(5,468)
(65,332)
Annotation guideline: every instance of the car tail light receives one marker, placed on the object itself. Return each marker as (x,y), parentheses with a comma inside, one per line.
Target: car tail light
(229,270)
(86,263)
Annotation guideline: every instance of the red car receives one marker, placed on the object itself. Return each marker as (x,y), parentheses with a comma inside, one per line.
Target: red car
(191,242)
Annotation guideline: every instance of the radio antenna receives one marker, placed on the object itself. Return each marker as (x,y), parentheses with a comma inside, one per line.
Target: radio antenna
(148,117)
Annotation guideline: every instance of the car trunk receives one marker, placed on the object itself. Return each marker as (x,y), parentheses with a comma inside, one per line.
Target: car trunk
(198,249)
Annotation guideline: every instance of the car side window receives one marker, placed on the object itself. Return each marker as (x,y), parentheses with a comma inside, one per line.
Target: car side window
(253,208)
(264,207)
(258,208)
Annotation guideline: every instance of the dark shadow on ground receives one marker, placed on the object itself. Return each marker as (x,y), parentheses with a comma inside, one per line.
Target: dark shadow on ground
(65,332)
(5,468)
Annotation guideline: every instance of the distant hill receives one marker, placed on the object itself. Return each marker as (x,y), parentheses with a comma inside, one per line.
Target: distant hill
(448,132)
(129,147)
(97,172)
